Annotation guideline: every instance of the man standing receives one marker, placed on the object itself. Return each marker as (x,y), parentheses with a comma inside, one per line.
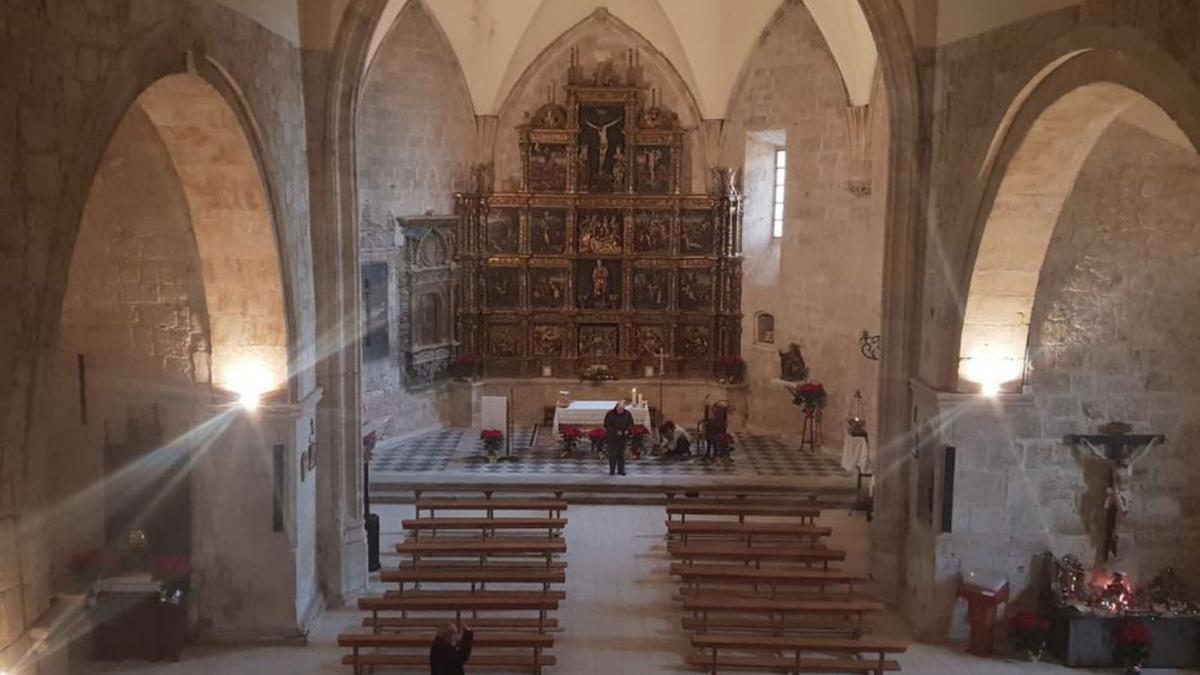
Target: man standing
(617,424)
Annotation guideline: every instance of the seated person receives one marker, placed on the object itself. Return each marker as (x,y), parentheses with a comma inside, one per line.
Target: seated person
(674,440)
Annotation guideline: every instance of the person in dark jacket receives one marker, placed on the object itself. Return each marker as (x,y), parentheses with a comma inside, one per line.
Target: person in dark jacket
(617,424)
(451,649)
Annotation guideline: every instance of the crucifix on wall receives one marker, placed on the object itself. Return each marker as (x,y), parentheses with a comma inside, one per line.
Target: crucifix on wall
(1119,449)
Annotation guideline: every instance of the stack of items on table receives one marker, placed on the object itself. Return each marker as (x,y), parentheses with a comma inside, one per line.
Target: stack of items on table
(491,562)
(760,592)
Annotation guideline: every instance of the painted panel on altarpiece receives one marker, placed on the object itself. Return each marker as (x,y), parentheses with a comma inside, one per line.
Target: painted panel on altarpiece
(504,339)
(549,339)
(652,232)
(602,162)
(695,290)
(548,167)
(548,288)
(649,341)
(599,340)
(694,342)
(503,230)
(503,288)
(598,284)
(600,231)
(696,236)
(651,288)
(652,169)
(548,231)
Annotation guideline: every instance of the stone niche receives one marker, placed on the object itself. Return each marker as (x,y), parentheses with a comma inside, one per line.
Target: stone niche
(429,246)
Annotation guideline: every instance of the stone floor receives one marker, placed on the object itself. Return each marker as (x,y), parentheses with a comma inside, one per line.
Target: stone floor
(618,617)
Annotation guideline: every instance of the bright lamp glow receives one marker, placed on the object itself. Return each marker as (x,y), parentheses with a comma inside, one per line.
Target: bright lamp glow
(249,379)
(990,372)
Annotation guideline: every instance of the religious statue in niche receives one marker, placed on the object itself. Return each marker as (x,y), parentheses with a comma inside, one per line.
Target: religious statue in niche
(696,233)
(503,231)
(600,232)
(504,340)
(599,340)
(598,284)
(548,231)
(548,340)
(548,167)
(601,147)
(695,290)
(653,169)
(649,341)
(651,232)
(548,288)
(1118,449)
(791,364)
(650,288)
(694,342)
(503,288)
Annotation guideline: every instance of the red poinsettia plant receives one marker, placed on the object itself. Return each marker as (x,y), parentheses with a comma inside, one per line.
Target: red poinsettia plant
(173,570)
(731,366)
(597,436)
(570,439)
(811,396)
(637,440)
(491,441)
(1133,644)
(1029,632)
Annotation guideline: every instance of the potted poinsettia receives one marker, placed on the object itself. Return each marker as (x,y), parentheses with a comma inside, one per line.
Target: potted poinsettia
(173,571)
(570,439)
(637,440)
(731,368)
(1133,644)
(810,396)
(725,443)
(597,436)
(1028,632)
(491,442)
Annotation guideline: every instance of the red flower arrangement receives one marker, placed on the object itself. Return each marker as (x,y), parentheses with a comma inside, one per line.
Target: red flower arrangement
(570,433)
(810,395)
(731,366)
(1028,632)
(174,570)
(491,441)
(1133,644)
(597,434)
(638,431)
(637,437)
(728,360)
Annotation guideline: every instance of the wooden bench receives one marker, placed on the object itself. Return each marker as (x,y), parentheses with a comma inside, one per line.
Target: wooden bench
(694,576)
(405,623)
(444,593)
(741,511)
(476,576)
(808,555)
(745,531)
(457,606)
(486,663)
(776,609)
(798,647)
(552,507)
(534,642)
(491,564)
(488,490)
(482,549)
(486,526)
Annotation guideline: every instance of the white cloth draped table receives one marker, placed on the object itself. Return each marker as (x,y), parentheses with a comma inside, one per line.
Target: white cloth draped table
(588,415)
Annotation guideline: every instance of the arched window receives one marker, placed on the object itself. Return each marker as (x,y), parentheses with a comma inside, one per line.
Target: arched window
(764,328)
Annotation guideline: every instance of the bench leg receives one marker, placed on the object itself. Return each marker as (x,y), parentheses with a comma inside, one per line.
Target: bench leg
(354,655)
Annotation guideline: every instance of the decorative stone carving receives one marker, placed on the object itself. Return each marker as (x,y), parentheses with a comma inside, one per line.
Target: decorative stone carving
(429,246)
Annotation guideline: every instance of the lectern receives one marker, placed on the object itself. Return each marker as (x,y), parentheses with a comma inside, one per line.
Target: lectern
(983,594)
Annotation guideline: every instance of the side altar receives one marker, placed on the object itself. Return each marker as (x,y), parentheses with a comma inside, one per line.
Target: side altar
(599,257)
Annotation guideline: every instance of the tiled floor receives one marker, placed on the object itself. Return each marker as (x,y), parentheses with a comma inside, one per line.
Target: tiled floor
(618,618)
(460,450)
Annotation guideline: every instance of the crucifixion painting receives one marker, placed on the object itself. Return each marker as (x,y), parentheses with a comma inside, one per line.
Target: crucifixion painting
(1118,449)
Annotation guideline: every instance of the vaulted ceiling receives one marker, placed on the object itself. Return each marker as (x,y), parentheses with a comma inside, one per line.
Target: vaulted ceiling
(708,41)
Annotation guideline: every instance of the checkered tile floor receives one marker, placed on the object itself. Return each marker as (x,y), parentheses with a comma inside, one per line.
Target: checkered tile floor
(461,450)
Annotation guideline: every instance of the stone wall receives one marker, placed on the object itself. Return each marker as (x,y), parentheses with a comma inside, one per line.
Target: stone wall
(821,280)
(80,66)
(1114,337)
(416,133)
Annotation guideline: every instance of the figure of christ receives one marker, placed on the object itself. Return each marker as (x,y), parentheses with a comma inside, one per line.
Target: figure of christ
(600,284)
(652,157)
(1116,496)
(602,136)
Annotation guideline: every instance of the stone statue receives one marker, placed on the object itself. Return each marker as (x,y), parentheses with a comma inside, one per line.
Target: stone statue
(602,136)
(599,283)
(1119,451)
(791,364)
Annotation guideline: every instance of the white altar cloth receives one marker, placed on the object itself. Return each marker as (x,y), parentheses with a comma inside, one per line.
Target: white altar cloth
(590,414)
(856,455)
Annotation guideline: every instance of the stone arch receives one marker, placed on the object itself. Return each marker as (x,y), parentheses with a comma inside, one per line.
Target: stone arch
(1039,130)
(600,32)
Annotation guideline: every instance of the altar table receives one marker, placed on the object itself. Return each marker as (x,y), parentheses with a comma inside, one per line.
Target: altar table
(590,414)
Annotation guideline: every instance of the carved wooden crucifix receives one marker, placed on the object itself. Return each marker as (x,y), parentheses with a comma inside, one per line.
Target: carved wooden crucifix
(1119,450)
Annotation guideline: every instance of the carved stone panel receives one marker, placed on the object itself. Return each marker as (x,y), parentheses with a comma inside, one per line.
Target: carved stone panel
(549,339)
(548,287)
(503,230)
(651,288)
(503,288)
(696,232)
(652,232)
(598,284)
(695,290)
(548,167)
(653,169)
(504,339)
(601,231)
(548,231)
(599,340)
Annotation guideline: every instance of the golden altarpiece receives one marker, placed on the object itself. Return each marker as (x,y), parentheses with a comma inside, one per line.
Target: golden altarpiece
(599,257)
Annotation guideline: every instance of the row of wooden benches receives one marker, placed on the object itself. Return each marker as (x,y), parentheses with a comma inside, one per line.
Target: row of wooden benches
(762,595)
(499,573)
